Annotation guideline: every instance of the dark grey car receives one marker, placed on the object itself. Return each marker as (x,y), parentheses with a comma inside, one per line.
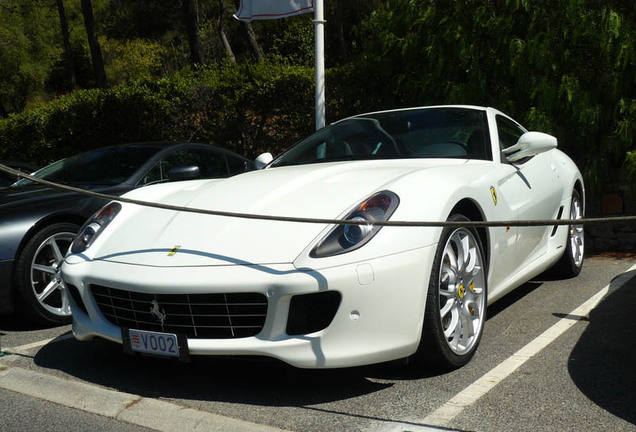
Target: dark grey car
(7,179)
(38,223)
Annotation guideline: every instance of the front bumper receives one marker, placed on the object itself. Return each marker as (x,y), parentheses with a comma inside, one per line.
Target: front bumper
(379,317)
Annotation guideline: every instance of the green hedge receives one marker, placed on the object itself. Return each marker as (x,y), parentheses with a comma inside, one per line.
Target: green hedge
(246,108)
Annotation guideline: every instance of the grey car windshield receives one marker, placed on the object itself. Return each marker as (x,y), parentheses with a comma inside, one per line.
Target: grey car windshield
(418,133)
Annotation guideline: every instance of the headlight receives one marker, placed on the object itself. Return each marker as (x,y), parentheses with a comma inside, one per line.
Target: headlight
(345,238)
(93,228)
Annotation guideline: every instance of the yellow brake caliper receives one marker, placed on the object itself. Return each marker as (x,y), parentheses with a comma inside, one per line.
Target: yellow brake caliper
(470,308)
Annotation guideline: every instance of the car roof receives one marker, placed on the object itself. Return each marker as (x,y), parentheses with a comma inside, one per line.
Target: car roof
(164,145)
(472,107)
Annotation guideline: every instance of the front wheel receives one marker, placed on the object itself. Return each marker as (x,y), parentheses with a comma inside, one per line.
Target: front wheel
(37,274)
(456,301)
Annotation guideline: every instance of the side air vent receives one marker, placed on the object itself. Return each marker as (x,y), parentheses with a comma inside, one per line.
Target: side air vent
(559,217)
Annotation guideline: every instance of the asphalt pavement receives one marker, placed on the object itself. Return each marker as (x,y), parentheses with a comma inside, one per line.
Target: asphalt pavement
(557,355)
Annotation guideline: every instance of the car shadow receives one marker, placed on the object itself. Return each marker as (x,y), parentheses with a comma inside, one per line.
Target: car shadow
(602,361)
(512,297)
(234,379)
(16,323)
(246,380)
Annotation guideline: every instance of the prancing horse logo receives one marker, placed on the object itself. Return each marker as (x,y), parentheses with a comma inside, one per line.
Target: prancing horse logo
(155,312)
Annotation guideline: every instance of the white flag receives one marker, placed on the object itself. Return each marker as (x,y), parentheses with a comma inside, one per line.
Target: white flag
(272,9)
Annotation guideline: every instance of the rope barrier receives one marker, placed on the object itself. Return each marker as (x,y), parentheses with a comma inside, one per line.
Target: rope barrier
(520,223)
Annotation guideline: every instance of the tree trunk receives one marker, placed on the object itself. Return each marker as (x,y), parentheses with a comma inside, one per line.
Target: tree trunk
(3,111)
(68,55)
(93,43)
(226,43)
(251,37)
(191,16)
(342,43)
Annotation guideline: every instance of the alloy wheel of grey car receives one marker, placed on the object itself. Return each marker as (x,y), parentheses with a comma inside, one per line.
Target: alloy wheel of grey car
(38,277)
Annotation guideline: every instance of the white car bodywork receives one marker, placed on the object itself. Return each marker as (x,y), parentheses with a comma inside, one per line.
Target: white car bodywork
(383,284)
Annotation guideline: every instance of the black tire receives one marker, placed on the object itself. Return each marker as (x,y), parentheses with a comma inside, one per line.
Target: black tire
(571,262)
(37,273)
(460,288)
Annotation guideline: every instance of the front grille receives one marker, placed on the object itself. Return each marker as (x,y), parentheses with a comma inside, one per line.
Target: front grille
(203,316)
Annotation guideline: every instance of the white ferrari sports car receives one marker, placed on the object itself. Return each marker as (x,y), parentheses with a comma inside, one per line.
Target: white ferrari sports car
(324,295)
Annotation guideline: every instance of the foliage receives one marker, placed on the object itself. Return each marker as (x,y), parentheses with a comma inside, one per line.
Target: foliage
(565,68)
(290,40)
(131,59)
(27,52)
(245,108)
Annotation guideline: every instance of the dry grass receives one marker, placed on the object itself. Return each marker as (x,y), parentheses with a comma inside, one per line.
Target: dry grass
(615,255)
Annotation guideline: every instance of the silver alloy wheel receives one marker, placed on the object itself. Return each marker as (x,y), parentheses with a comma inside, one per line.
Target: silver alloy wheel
(48,287)
(462,300)
(577,234)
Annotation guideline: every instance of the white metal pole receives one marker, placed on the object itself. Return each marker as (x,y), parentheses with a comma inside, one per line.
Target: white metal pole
(319,25)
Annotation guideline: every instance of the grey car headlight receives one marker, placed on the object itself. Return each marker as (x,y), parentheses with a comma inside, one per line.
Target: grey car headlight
(94,227)
(345,238)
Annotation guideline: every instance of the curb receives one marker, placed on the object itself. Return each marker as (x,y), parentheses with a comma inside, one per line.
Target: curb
(146,412)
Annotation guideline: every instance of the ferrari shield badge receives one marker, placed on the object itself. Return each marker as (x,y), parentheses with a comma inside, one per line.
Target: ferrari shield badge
(493,193)
(174,250)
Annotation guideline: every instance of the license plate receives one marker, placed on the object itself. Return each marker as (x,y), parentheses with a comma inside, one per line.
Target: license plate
(165,344)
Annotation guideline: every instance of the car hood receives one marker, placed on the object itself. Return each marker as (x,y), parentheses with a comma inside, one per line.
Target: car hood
(38,194)
(155,237)
(24,195)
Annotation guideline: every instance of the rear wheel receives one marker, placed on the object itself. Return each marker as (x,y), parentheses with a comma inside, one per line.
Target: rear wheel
(37,275)
(456,302)
(571,261)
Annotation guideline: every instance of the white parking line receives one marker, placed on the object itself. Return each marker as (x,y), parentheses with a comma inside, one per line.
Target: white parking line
(447,412)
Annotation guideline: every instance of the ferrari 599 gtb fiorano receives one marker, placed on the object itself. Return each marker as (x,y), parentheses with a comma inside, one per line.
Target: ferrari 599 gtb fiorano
(323,295)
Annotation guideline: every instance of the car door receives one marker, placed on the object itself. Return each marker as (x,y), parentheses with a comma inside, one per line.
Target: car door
(533,190)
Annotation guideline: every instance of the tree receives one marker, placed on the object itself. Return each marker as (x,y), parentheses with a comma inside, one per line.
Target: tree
(254,47)
(68,54)
(191,16)
(93,43)
(253,43)
(566,68)
(222,35)
(28,52)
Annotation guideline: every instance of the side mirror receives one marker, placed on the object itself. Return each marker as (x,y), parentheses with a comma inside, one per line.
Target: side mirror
(188,172)
(530,144)
(263,159)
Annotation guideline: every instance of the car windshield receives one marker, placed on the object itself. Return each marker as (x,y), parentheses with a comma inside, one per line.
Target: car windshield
(417,133)
(102,167)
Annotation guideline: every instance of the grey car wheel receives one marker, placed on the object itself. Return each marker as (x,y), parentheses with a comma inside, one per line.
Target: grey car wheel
(38,274)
